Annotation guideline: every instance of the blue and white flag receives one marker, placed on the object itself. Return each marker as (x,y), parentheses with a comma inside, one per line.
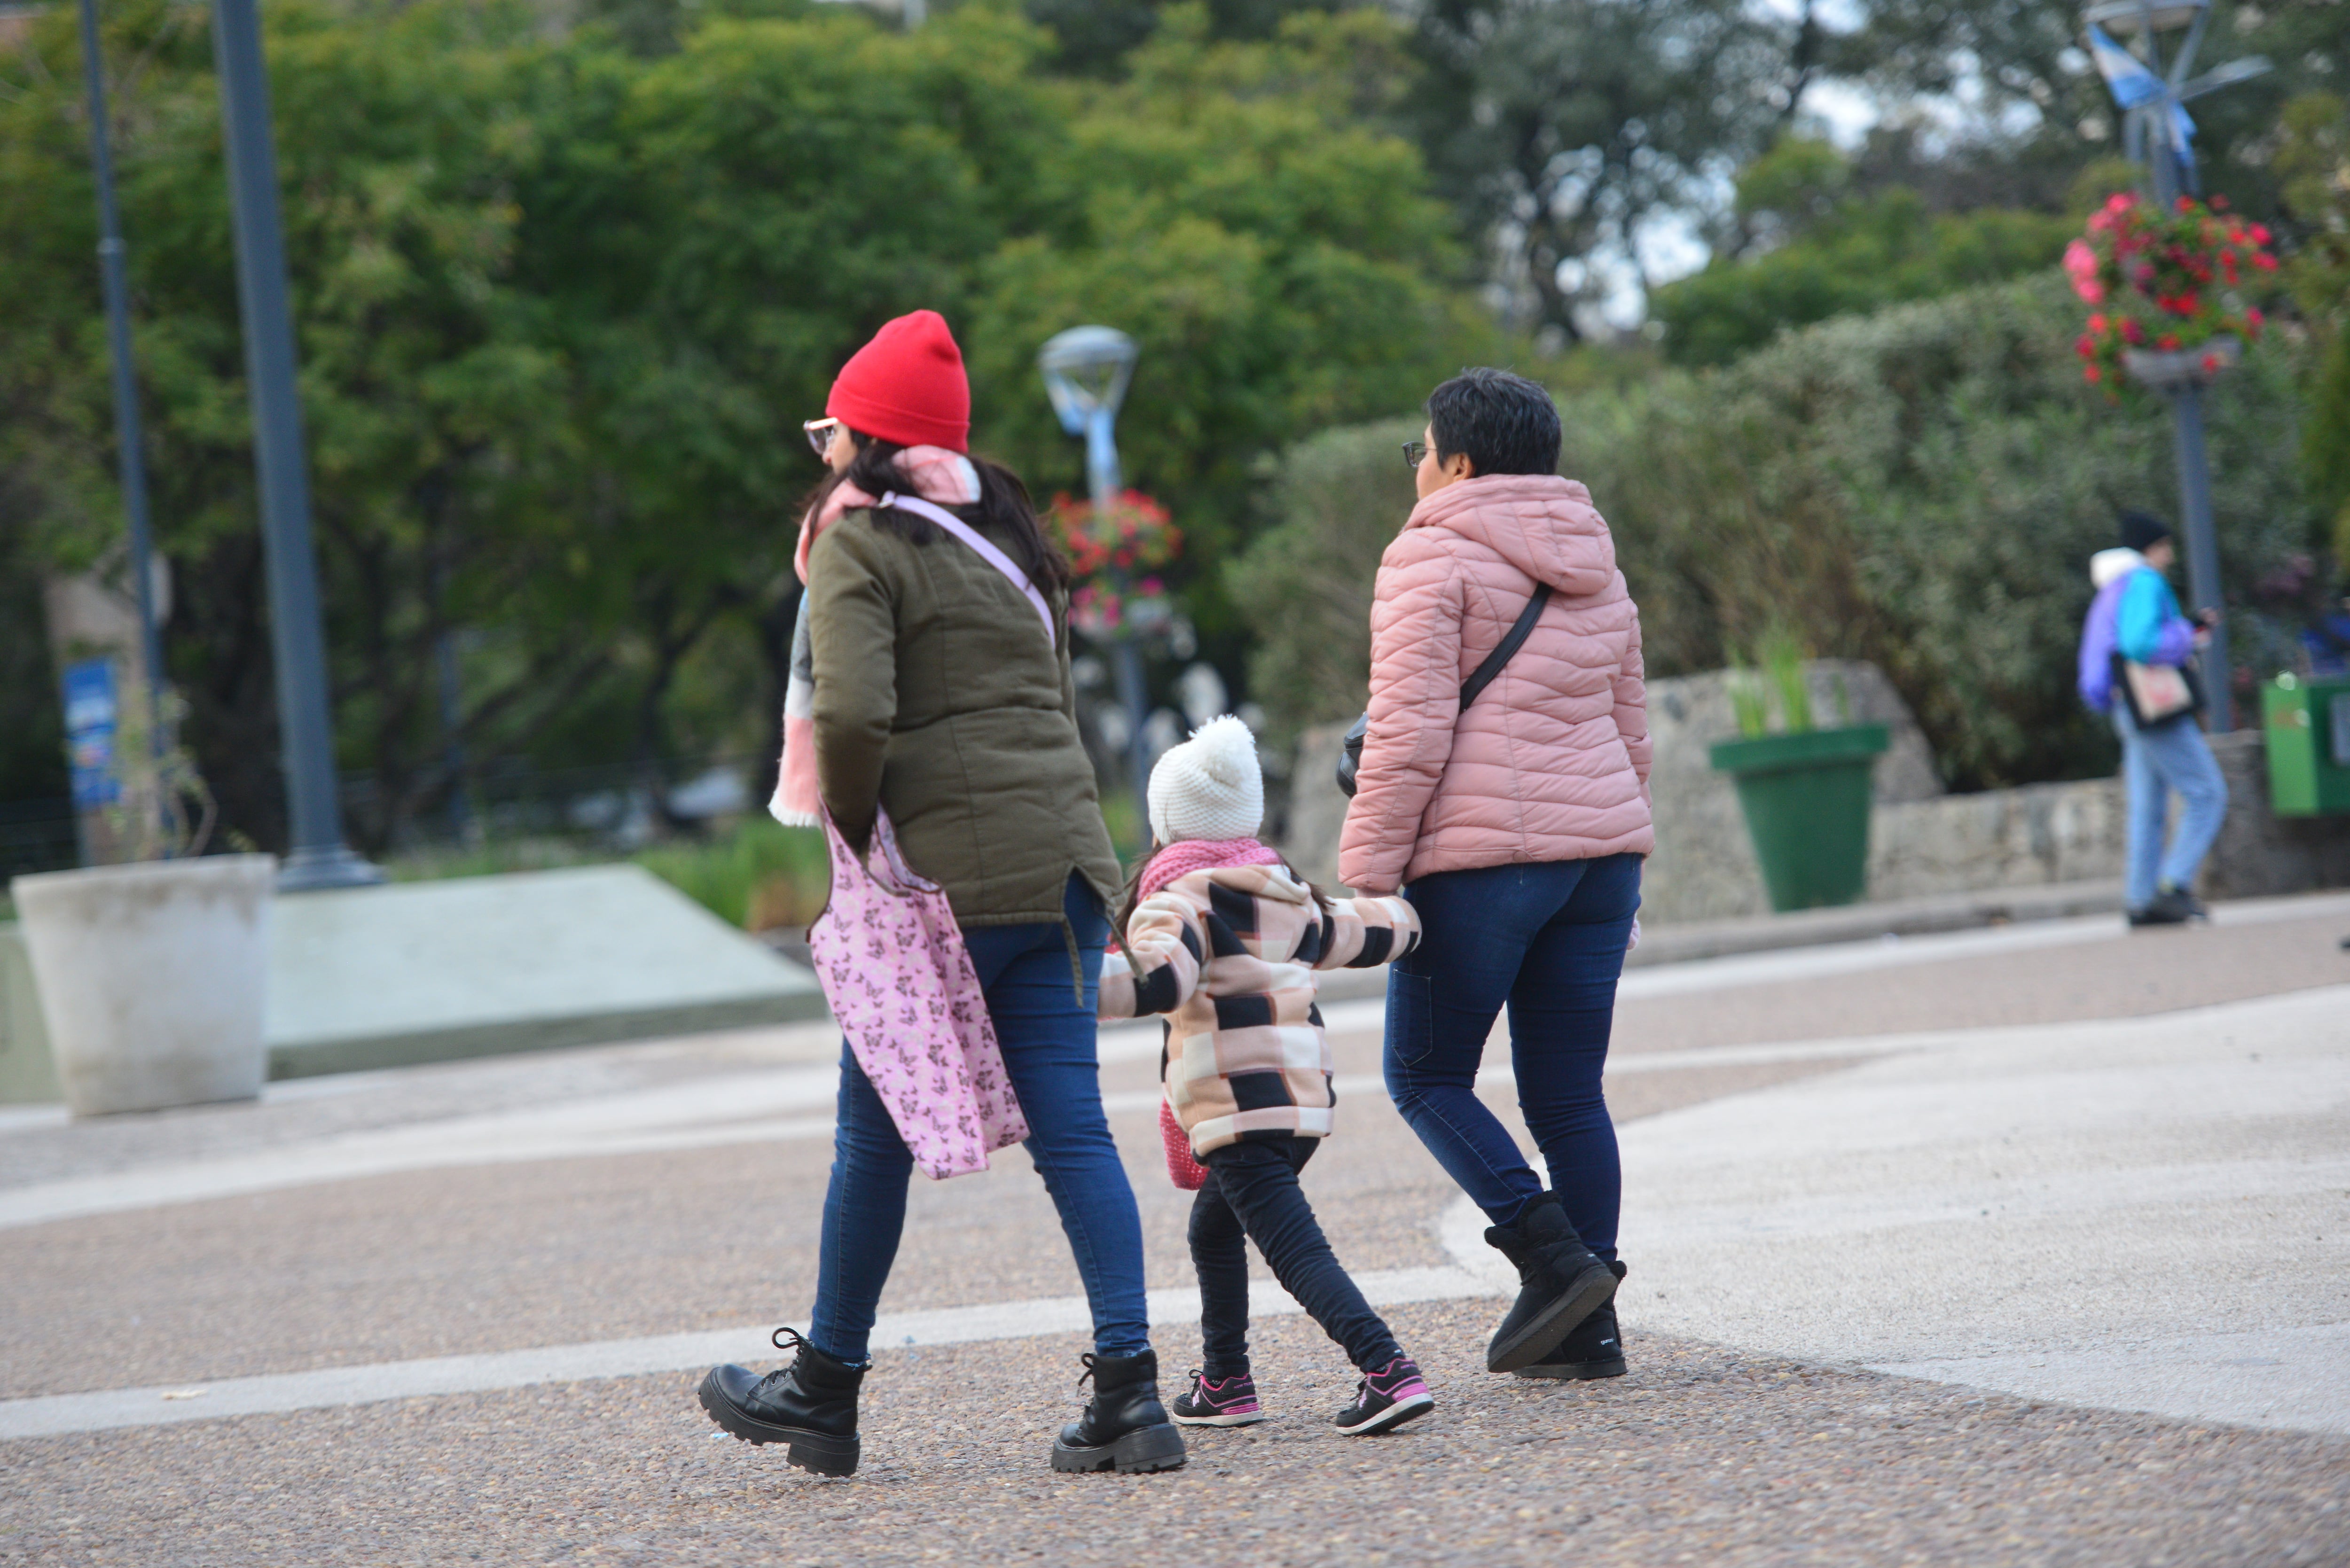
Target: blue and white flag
(2133,84)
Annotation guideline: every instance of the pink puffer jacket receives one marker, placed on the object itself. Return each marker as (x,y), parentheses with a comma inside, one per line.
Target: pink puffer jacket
(1551,761)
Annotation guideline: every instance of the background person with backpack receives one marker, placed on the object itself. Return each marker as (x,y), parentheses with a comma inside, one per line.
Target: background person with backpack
(2135,649)
(1517,825)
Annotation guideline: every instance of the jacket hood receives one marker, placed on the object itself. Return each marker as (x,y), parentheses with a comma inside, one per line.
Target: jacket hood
(1542,524)
(2107,566)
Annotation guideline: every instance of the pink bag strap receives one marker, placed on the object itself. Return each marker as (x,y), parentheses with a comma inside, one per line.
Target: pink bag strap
(987,551)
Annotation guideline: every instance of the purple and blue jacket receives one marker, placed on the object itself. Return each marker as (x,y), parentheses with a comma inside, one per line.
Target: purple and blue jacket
(2135,614)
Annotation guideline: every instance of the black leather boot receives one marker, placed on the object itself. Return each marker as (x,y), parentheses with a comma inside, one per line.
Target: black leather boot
(1124,1428)
(1593,1348)
(1563,1282)
(809,1406)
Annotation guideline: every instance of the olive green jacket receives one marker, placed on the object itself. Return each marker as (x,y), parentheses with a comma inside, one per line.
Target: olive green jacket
(936,696)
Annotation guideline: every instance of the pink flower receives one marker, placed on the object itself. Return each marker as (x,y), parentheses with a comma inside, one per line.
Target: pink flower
(2093,373)
(2081,264)
(2097,323)
(2132,331)
(2210,364)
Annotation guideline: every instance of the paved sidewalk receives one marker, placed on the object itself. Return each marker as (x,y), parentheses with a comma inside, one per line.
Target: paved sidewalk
(459,1308)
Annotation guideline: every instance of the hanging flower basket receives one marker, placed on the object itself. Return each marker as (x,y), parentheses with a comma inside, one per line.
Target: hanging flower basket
(1114,553)
(2183,367)
(2166,291)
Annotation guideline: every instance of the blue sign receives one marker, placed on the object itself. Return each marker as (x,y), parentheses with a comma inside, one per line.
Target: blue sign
(91,711)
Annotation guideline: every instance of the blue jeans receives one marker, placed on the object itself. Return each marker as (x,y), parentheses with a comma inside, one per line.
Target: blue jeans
(1252,1194)
(2154,762)
(1548,938)
(1044,1022)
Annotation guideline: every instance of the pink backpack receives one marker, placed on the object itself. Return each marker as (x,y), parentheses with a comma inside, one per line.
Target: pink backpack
(901,983)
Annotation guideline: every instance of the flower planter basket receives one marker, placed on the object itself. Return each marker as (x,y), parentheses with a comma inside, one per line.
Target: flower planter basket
(1806,798)
(151,979)
(2198,367)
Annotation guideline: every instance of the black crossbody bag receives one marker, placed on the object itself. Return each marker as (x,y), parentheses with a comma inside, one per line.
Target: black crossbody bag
(1351,758)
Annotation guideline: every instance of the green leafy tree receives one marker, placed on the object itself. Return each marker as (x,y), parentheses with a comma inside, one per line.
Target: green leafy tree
(1817,248)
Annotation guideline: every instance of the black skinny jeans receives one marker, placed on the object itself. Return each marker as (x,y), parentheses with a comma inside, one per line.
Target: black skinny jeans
(1251,1195)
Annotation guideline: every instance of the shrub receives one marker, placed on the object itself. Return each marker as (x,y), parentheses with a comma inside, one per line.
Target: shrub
(1922,488)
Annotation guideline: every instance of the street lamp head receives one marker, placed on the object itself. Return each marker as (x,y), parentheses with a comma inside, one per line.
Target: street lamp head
(2137,15)
(1086,369)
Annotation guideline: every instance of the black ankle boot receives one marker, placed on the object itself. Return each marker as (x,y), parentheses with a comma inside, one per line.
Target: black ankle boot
(1124,1428)
(1563,1282)
(809,1406)
(1593,1348)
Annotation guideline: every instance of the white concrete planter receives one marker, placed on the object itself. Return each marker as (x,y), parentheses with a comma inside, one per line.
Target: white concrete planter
(151,979)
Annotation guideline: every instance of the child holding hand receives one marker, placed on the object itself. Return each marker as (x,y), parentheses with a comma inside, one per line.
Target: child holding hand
(1220,935)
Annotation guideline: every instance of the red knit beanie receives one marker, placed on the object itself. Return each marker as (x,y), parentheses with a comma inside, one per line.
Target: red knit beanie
(907,386)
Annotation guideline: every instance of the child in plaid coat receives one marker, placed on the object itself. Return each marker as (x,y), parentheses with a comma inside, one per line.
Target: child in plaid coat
(1223,938)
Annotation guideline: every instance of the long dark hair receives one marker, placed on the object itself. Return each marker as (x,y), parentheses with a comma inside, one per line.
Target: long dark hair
(1002,502)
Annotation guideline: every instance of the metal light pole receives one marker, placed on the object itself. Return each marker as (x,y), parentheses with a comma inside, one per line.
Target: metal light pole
(318,857)
(129,459)
(1087,372)
(2158,135)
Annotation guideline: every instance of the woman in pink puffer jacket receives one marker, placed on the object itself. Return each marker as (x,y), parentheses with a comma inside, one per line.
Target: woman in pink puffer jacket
(1516,825)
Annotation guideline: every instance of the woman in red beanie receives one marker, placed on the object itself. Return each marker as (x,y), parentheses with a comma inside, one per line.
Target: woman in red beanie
(927,683)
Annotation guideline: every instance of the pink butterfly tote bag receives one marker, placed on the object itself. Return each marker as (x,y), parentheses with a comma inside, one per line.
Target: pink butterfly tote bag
(901,981)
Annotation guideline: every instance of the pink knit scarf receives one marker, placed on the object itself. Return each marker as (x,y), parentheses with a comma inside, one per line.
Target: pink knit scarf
(1187,856)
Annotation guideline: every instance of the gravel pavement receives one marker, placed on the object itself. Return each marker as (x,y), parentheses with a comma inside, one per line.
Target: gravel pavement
(1733,1441)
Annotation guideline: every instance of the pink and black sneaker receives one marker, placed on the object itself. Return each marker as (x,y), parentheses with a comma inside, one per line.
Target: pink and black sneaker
(1227,1402)
(1386,1399)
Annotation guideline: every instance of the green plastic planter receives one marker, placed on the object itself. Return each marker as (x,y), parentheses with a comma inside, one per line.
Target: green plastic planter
(1806,798)
(2308,728)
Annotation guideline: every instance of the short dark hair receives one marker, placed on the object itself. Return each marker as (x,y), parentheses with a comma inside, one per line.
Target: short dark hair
(1505,423)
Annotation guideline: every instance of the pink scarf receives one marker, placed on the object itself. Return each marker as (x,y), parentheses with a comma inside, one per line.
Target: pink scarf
(940,477)
(1187,856)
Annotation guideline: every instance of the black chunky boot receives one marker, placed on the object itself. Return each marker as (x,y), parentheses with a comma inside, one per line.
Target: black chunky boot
(1125,1428)
(1562,1283)
(1593,1348)
(809,1406)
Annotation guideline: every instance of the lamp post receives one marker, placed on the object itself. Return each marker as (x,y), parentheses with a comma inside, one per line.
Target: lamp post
(2158,134)
(317,856)
(129,455)
(1087,372)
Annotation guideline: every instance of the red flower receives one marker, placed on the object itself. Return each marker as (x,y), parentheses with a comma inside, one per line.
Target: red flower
(2210,364)
(2264,261)
(2086,347)
(2093,373)
(2167,342)
(2260,234)
(2132,331)
(2253,320)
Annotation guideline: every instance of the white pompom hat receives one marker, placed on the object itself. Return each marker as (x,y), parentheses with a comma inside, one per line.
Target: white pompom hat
(1209,787)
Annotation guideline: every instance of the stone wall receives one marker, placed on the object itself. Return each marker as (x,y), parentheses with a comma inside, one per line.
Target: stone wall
(1922,841)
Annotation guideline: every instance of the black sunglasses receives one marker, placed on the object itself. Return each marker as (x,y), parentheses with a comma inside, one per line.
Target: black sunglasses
(1414,453)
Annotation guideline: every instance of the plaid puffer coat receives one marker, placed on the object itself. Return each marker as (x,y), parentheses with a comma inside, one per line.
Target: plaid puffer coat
(1230,953)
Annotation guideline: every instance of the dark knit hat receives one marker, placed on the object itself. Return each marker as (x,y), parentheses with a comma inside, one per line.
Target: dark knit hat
(907,386)
(2143,531)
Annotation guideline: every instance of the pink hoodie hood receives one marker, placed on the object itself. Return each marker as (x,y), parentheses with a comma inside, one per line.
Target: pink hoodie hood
(1542,524)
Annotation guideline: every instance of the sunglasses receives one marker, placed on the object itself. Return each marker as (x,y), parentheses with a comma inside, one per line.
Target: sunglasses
(1414,453)
(820,433)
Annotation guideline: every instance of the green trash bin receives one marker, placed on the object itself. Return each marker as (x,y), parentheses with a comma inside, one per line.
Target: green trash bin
(1807,797)
(2308,727)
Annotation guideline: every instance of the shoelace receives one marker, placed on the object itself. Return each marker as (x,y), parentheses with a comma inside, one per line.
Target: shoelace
(795,1342)
(1084,1377)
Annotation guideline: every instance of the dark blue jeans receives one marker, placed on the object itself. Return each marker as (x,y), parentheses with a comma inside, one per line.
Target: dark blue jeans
(1548,940)
(1252,1194)
(1044,1022)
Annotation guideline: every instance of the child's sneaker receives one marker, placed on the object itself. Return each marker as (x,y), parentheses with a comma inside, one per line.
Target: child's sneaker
(1386,1399)
(1228,1402)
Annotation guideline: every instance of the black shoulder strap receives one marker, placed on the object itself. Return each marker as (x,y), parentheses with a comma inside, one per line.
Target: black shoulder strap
(1484,673)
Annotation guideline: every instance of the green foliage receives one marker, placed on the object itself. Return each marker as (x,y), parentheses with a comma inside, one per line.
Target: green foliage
(1922,487)
(1783,655)
(1305,583)
(2314,162)
(1838,253)
(759,874)
(561,303)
